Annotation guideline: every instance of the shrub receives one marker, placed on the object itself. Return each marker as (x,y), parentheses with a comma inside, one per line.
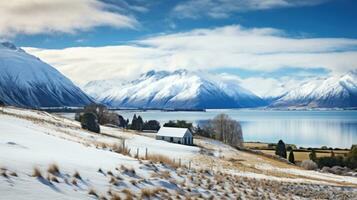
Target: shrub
(312,155)
(146,193)
(330,161)
(89,121)
(128,193)
(309,165)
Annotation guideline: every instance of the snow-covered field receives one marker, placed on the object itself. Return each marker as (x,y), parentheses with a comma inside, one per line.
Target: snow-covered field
(33,139)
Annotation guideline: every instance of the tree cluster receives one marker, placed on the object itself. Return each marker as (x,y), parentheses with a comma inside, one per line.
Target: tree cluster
(179,124)
(350,160)
(138,124)
(222,128)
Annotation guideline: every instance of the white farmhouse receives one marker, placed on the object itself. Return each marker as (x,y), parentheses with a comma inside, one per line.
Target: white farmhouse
(175,135)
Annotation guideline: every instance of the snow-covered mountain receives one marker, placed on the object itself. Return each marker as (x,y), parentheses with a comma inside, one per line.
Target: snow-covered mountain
(28,82)
(180,89)
(335,91)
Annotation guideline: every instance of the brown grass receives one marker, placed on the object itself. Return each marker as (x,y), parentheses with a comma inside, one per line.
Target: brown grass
(158,158)
(53,169)
(3,173)
(13,174)
(77,175)
(92,192)
(147,193)
(304,155)
(37,173)
(121,148)
(74,182)
(115,197)
(128,194)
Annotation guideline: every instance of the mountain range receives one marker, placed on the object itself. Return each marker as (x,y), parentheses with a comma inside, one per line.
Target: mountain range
(26,81)
(180,89)
(332,92)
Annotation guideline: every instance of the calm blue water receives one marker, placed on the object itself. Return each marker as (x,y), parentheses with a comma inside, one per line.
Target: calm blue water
(303,128)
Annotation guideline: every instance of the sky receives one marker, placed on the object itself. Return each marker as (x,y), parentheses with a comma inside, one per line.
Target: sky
(269,46)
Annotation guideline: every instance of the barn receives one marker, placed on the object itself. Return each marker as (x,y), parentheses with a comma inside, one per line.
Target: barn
(175,135)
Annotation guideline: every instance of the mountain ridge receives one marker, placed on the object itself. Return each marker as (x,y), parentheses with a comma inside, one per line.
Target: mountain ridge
(26,81)
(178,89)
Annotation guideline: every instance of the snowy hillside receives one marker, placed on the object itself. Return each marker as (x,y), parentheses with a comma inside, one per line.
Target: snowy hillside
(28,82)
(336,91)
(179,89)
(44,156)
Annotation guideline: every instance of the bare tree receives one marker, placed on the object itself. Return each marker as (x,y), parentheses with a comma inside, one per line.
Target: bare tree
(226,130)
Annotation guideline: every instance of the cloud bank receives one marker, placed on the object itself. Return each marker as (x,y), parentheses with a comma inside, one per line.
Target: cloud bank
(224,8)
(262,49)
(62,16)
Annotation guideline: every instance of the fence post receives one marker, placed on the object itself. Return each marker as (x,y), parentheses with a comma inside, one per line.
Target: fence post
(189,165)
(137,153)
(179,162)
(146,153)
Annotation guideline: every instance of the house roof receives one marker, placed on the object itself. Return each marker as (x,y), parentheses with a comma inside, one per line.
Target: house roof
(173,132)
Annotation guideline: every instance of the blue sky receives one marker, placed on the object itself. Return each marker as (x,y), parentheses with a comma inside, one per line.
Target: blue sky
(266,41)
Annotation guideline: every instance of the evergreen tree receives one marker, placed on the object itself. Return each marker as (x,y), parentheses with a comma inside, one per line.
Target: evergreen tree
(312,155)
(139,124)
(280,149)
(134,122)
(291,157)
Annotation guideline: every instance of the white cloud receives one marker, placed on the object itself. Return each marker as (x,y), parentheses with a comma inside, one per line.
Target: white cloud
(64,16)
(262,49)
(224,8)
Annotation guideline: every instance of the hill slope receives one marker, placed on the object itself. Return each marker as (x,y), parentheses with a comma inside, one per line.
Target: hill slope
(179,89)
(26,81)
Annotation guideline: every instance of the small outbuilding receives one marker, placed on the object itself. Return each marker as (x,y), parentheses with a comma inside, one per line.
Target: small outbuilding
(175,135)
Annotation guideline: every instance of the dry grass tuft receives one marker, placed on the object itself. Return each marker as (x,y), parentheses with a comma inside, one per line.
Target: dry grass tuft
(74,182)
(146,193)
(37,173)
(128,194)
(128,170)
(77,175)
(54,179)
(92,192)
(3,173)
(121,148)
(53,169)
(115,197)
(13,174)
(157,158)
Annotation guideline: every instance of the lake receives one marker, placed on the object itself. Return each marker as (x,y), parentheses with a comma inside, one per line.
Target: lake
(303,128)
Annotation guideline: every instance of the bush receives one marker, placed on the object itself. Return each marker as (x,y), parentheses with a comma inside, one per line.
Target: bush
(312,155)
(179,124)
(309,165)
(89,121)
(330,161)
(151,125)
